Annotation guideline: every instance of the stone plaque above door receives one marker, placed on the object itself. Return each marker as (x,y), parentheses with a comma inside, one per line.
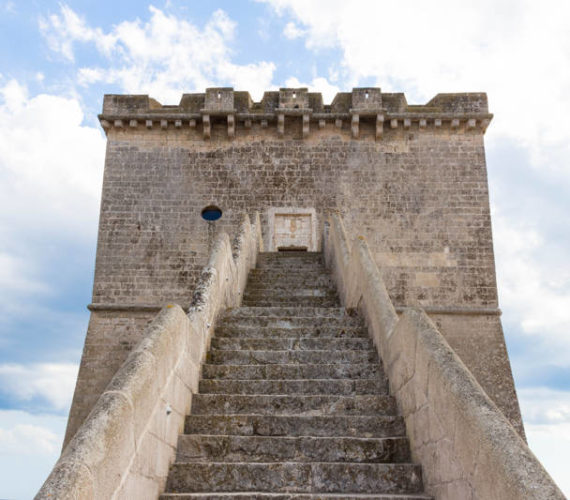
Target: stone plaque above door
(292,229)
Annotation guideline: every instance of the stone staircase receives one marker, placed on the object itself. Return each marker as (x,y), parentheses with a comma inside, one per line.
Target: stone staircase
(293,401)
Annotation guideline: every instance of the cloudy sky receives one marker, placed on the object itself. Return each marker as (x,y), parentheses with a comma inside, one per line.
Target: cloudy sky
(58,59)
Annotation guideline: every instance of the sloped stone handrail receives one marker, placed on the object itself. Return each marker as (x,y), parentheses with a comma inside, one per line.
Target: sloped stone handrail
(125,446)
(467,448)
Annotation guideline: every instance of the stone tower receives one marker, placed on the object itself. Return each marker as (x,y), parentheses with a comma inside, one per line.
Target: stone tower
(411,179)
(406,183)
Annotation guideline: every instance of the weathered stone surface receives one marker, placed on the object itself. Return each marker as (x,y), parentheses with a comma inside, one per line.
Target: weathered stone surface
(305,386)
(197,447)
(287,425)
(295,477)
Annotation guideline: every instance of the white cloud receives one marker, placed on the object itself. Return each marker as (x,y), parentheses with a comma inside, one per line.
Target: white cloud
(547,423)
(29,447)
(50,164)
(163,57)
(515,51)
(292,31)
(52,383)
(24,438)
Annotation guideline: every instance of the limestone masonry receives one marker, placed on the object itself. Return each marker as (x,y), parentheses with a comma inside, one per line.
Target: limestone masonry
(361,228)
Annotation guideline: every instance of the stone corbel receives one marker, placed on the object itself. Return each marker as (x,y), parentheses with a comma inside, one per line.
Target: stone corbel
(338,123)
(231,126)
(394,123)
(148,124)
(322,124)
(163,124)
(106,125)
(118,123)
(455,123)
(437,123)
(355,125)
(133,123)
(471,123)
(379,126)
(192,123)
(423,123)
(207,129)
(178,123)
(306,121)
(280,124)
(407,123)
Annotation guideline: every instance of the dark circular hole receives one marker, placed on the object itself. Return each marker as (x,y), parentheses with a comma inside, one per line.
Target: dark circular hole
(211,213)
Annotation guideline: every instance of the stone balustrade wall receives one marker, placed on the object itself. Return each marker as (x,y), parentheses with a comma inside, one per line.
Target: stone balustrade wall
(466,446)
(125,446)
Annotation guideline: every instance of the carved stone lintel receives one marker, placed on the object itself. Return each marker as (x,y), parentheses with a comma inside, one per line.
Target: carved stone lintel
(148,124)
(280,124)
(437,122)
(231,126)
(455,123)
(192,123)
(423,123)
(394,123)
(163,124)
(354,126)
(379,126)
(207,129)
(322,124)
(338,123)
(306,122)
(118,123)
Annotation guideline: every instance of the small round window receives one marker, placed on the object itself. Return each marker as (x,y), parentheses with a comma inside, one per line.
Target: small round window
(211,213)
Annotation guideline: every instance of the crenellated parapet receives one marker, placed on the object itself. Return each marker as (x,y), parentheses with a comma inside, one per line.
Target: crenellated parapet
(456,112)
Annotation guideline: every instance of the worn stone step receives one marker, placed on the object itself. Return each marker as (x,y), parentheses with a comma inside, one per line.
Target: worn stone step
(293,371)
(293,477)
(290,321)
(293,293)
(311,386)
(292,302)
(291,343)
(286,312)
(297,425)
(301,332)
(243,357)
(305,275)
(290,254)
(309,291)
(279,404)
(219,448)
(255,495)
(291,264)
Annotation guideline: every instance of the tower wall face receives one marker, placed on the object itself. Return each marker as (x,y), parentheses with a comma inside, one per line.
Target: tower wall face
(411,179)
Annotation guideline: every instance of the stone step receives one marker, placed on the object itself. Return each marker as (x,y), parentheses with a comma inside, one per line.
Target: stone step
(312,386)
(279,404)
(286,312)
(297,425)
(242,357)
(276,290)
(310,277)
(291,343)
(287,301)
(219,448)
(303,332)
(256,495)
(293,371)
(290,321)
(291,254)
(290,263)
(290,477)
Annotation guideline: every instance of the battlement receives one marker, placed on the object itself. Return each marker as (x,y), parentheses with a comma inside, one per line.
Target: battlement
(462,111)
